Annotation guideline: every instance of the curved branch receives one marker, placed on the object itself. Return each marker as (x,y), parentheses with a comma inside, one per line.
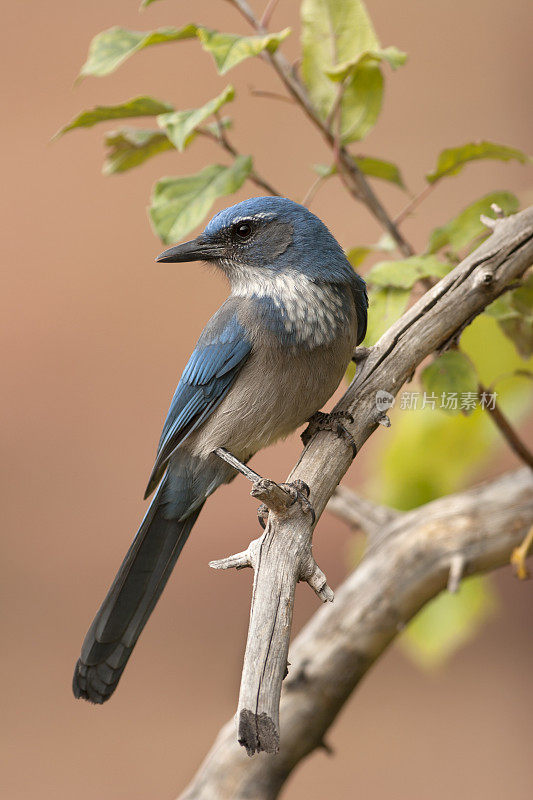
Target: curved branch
(403,571)
(286,544)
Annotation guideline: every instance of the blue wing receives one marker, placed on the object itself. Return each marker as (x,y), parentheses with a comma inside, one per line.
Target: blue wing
(220,353)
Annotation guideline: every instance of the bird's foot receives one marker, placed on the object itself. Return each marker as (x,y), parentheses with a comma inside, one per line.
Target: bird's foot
(320,421)
(299,491)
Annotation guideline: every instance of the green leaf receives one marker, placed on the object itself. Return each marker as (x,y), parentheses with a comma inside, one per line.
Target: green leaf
(180,204)
(325,170)
(229,49)
(361,103)
(461,230)
(452,160)
(130,147)
(448,622)
(378,168)
(519,329)
(514,313)
(386,305)
(356,255)
(405,273)
(138,107)
(180,124)
(427,454)
(146,3)
(109,49)
(396,58)
(373,167)
(451,373)
(337,35)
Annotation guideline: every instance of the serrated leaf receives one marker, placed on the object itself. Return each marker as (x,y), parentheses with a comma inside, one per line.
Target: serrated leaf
(403,274)
(130,147)
(229,49)
(336,33)
(180,204)
(378,168)
(224,122)
(361,103)
(448,622)
(109,49)
(386,305)
(373,167)
(451,373)
(466,226)
(333,32)
(396,58)
(137,107)
(179,125)
(452,160)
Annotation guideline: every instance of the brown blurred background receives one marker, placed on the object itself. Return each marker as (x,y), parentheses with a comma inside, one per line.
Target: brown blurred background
(96,336)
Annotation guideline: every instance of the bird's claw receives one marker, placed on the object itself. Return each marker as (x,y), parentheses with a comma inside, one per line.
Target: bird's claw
(320,421)
(262,515)
(300,492)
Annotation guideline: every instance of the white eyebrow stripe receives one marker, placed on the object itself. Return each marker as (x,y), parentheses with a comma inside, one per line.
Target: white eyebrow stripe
(252,217)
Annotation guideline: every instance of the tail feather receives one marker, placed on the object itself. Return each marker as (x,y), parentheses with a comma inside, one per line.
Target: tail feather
(130,601)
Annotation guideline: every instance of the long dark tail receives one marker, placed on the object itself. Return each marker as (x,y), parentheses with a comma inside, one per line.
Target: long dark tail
(130,601)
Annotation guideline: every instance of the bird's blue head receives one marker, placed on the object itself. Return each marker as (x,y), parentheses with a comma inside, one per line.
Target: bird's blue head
(266,245)
(269,235)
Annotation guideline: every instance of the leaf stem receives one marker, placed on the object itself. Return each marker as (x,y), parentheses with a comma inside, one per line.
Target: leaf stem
(313,189)
(222,139)
(267,13)
(271,95)
(414,203)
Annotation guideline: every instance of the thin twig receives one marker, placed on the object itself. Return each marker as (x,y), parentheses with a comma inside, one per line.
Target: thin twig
(267,13)
(271,95)
(414,203)
(230,459)
(313,189)
(508,432)
(355,181)
(223,141)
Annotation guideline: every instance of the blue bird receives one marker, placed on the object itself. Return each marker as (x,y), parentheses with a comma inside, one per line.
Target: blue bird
(271,356)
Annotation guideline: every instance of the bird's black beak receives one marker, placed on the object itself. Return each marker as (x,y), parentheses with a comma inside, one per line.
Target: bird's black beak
(199,249)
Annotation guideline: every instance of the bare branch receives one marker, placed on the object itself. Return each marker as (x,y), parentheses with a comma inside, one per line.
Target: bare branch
(508,432)
(267,14)
(408,567)
(278,565)
(284,553)
(359,512)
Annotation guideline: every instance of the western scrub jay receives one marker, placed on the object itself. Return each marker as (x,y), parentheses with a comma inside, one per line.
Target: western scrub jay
(270,357)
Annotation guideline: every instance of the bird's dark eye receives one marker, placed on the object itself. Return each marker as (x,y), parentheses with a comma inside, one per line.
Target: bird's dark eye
(242,230)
